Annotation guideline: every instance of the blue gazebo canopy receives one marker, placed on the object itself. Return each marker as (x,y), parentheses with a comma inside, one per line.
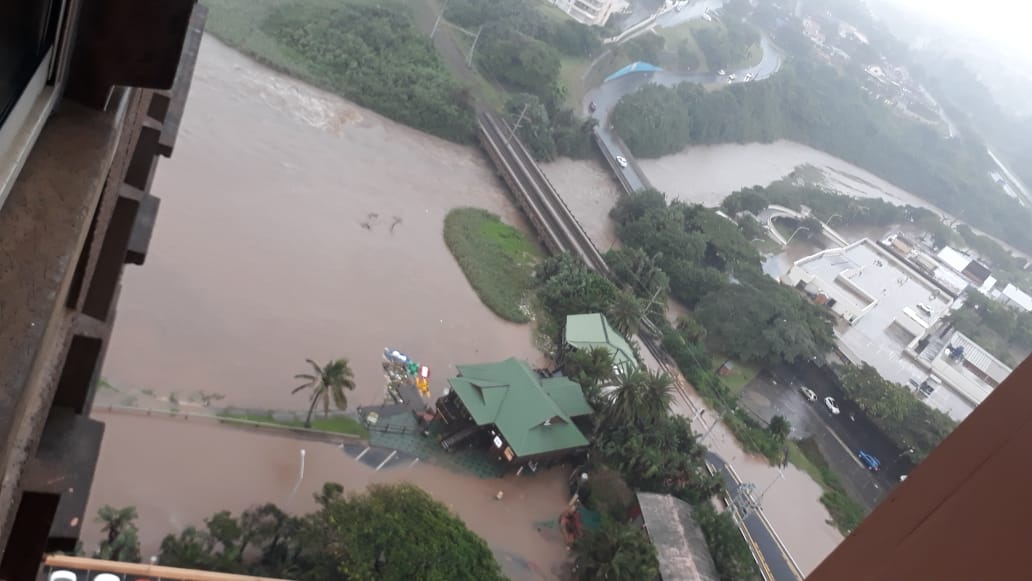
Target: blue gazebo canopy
(635,67)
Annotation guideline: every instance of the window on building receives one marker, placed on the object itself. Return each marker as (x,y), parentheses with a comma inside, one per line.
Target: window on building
(27,29)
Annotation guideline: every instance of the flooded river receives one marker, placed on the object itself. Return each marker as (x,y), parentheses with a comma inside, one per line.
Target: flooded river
(178,472)
(295,224)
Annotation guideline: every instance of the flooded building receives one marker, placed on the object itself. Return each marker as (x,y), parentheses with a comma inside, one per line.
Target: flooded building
(594,330)
(522,417)
(91,94)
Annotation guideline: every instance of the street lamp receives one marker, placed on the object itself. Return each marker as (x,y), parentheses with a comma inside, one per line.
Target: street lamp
(781,476)
(300,474)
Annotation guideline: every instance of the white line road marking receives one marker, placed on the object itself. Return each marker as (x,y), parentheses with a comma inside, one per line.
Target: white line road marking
(362,453)
(413,463)
(386,460)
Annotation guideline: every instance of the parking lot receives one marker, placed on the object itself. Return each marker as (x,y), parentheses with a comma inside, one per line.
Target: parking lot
(839,437)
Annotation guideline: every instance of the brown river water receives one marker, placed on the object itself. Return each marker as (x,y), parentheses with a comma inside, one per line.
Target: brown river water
(295,224)
(178,472)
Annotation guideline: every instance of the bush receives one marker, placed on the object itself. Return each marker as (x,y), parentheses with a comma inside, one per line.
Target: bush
(497,259)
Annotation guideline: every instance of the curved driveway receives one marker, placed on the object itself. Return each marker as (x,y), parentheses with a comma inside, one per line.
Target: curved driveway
(606,95)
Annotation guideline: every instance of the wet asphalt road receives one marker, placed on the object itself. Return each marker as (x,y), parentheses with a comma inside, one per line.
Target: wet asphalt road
(775,561)
(839,437)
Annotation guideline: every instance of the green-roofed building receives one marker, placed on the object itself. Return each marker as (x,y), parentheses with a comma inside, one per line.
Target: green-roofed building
(515,412)
(593,330)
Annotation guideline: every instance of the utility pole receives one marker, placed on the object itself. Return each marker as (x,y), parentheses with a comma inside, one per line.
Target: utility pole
(438,21)
(781,476)
(469,59)
(519,120)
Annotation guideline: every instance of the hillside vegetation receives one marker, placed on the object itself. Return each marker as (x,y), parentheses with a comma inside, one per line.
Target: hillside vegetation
(371,54)
(814,105)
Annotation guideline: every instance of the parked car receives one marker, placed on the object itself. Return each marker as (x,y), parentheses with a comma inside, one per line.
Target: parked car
(808,393)
(621,161)
(829,402)
(748,77)
(872,463)
(731,77)
(722,72)
(62,576)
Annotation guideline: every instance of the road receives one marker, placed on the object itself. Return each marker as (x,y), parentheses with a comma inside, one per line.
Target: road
(774,560)
(606,96)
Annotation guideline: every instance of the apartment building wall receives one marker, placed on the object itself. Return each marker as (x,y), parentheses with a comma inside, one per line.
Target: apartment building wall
(79,209)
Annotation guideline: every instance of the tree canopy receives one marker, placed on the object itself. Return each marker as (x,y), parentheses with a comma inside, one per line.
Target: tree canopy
(617,552)
(895,410)
(374,56)
(387,532)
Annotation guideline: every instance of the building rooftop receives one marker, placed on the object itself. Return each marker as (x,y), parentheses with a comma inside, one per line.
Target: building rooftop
(84,569)
(1017,296)
(533,414)
(681,548)
(594,330)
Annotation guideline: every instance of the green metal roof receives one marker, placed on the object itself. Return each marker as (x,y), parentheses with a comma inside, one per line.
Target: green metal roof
(513,397)
(593,330)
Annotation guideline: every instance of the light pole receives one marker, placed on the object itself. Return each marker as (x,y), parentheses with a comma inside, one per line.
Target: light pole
(300,474)
(789,241)
(781,476)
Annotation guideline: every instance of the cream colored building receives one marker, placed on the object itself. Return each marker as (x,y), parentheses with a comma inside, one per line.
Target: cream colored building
(591,12)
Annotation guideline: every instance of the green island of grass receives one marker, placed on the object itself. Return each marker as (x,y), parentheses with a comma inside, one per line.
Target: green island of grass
(497,259)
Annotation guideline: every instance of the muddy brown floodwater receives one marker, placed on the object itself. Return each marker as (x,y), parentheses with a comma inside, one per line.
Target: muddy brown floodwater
(295,224)
(178,472)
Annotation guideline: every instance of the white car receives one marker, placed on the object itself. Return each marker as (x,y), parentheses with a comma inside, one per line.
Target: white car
(808,393)
(722,72)
(731,77)
(829,402)
(62,576)
(748,77)
(621,161)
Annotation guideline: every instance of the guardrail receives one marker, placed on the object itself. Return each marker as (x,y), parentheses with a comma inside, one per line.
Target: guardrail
(238,422)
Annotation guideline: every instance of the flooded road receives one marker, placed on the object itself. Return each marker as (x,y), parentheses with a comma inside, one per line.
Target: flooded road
(178,472)
(590,191)
(295,224)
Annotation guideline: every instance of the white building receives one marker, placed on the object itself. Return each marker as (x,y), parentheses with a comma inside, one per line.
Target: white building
(1012,296)
(591,12)
(888,309)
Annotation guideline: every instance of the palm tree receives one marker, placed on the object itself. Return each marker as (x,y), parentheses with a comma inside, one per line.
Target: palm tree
(122,541)
(590,367)
(326,383)
(625,313)
(641,398)
(617,552)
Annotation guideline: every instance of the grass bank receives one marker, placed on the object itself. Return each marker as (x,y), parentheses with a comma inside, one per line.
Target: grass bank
(497,259)
(845,512)
(367,51)
(336,424)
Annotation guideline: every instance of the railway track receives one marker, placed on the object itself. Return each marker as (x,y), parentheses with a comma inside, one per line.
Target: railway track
(536,195)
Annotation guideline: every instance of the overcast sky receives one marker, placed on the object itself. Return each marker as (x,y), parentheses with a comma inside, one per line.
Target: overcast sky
(1005,22)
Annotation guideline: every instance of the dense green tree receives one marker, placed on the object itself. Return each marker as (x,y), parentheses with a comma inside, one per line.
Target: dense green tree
(617,552)
(327,383)
(666,457)
(690,328)
(779,427)
(634,270)
(646,47)
(567,287)
(640,398)
(391,532)
(518,61)
(895,410)
(535,126)
(625,313)
(375,57)
(121,540)
(730,552)
(591,368)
